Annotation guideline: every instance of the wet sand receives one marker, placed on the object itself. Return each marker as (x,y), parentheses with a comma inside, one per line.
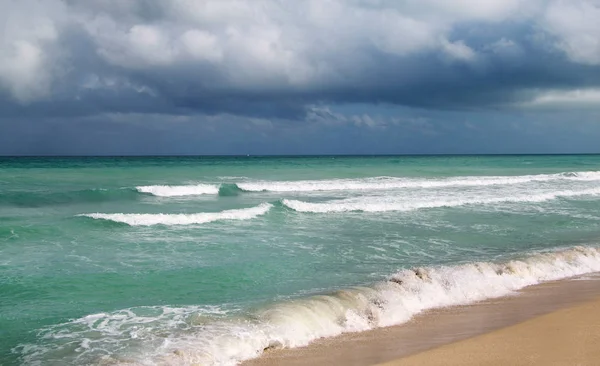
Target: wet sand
(449,331)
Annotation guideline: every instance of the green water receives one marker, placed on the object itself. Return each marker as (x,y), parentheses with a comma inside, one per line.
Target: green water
(234,235)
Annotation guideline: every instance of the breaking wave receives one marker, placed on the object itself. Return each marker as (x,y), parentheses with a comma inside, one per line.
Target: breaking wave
(176,191)
(182,219)
(364,184)
(196,335)
(229,190)
(384,204)
(382,183)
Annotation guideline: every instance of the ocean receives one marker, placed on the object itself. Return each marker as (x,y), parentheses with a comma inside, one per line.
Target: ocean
(212,260)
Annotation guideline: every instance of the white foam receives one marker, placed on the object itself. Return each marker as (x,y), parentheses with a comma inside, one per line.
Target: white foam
(176,191)
(114,330)
(385,204)
(372,183)
(182,337)
(383,183)
(183,219)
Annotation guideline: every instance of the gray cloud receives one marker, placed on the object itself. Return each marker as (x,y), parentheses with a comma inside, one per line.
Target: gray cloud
(355,130)
(276,57)
(154,76)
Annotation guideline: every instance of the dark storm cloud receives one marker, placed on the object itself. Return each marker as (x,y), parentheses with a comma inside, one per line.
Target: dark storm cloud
(272,58)
(314,76)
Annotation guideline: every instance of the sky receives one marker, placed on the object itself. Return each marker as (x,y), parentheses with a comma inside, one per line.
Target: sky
(219,77)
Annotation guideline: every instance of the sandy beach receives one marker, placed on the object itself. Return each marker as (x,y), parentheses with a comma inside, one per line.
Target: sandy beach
(556,323)
(569,336)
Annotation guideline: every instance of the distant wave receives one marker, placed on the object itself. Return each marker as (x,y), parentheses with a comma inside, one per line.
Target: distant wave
(228,190)
(196,335)
(182,219)
(358,184)
(382,183)
(175,191)
(384,204)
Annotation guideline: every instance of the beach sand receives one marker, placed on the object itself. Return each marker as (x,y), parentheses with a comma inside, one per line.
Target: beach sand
(569,336)
(556,323)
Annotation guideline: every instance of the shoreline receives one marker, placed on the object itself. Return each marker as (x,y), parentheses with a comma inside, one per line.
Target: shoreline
(442,327)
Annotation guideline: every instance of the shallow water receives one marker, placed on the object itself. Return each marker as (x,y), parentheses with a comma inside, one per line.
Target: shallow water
(212,260)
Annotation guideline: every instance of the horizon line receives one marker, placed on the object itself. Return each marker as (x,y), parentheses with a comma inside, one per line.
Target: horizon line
(289,155)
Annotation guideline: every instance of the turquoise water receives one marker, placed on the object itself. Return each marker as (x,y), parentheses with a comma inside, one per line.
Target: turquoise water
(210,260)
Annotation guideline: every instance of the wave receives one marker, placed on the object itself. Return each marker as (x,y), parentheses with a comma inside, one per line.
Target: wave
(182,219)
(176,191)
(385,204)
(374,183)
(40,199)
(229,190)
(383,183)
(193,335)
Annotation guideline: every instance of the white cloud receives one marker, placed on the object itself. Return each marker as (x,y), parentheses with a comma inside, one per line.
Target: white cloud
(28,50)
(150,44)
(21,70)
(566,98)
(576,25)
(458,50)
(201,45)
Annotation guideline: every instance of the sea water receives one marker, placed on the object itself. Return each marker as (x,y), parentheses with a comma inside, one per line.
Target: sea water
(212,260)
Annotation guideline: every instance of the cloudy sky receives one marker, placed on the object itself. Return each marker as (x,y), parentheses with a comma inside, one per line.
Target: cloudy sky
(299,76)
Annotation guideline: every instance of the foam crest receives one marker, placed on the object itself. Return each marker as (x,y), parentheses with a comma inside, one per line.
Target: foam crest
(583,176)
(200,338)
(383,183)
(385,204)
(183,219)
(177,191)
